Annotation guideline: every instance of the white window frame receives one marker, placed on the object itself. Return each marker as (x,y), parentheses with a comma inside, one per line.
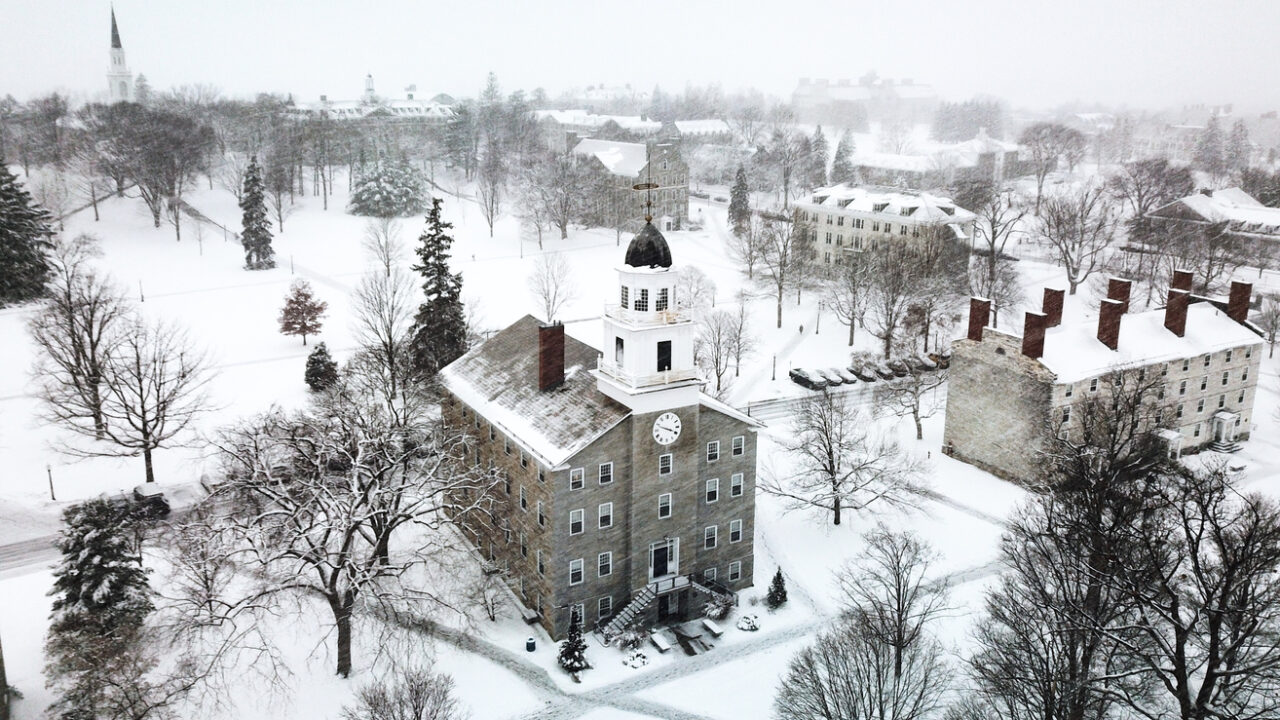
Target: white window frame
(524,502)
(575,566)
(542,569)
(603,473)
(709,574)
(604,560)
(581,521)
(736,484)
(670,464)
(713,451)
(542,516)
(711,493)
(735,570)
(604,607)
(735,528)
(710,537)
(603,512)
(577,479)
(739,446)
(660,497)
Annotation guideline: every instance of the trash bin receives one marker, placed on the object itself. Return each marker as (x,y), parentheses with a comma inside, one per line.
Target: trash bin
(530,645)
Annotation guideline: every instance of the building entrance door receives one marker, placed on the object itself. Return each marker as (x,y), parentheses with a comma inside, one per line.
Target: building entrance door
(663,558)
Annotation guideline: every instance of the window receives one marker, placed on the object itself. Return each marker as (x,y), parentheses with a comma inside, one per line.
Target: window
(542,475)
(1182,388)
(578,610)
(604,607)
(1197,434)
(888,227)
(1204,382)
(1248,353)
(1241,400)
(605,515)
(664,505)
(1228,356)
(506,444)
(739,445)
(1164,370)
(1200,406)
(1070,390)
(575,522)
(1226,375)
(626,297)
(735,485)
(735,531)
(662,301)
(664,355)
(575,479)
(1244,375)
(606,473)
(713,451)
(506,482)
(477,422)
(642,300)
(1066,415)
(542,568)
(713,490)
(1093,385)
(709,537)
(575,572)
(664,464)
(1186,364)
(1179,411)
(1222,401)
(524,502)
(524,547)
(840,220)
(506,535)
(875,226)
(604,564)
(618,354)
(735,570)
(709,574)
(1207,358)
(542,517)
(492,435)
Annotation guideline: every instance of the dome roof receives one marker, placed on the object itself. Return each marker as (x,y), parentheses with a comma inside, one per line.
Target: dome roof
(648,249)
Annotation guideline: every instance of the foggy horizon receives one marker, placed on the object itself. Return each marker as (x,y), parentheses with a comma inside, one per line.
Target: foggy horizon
(1140,55)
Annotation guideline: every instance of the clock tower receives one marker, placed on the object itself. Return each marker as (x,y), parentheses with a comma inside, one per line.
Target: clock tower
(646,360)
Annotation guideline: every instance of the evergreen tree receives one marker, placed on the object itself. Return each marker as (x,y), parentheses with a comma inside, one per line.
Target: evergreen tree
(573,651)
(24,242)
(777,596)
(101,599)
(390,190)
(1239,148)
(740,202)
(142,90)
(820,153)
(842,165)
(255,233)
(440,328)
(1211,150)
(302,311)
(322,371)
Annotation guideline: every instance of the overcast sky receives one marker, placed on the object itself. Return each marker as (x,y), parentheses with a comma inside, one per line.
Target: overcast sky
(1139,53)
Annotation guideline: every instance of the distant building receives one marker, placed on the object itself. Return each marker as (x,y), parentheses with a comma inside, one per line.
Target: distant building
(1007,392)
(620,166)
(556,125)
(844,219)
(1232,208)
(872,99)
(982,158)
(119,79)
(698,131)
(627,495)
(373,106)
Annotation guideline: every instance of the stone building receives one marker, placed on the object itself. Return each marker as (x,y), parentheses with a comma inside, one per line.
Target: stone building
(1007,391)
(627,494)
(983,158)
(374,107)
(844,218)
(619,167)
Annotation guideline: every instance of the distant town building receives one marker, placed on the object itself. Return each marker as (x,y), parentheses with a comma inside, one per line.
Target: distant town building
(1006,392)
(872,99)
(982,158)
(119,79)
(621,166)
(373,106)
(846,218)
(556,125)
(1233,209)
(698,131)
(627,495)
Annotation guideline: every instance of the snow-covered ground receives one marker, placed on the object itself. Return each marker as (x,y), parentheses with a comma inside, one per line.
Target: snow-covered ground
(199,282)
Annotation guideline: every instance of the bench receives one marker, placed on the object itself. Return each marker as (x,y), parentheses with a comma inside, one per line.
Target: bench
(712,627)
(529,616)
(660,643)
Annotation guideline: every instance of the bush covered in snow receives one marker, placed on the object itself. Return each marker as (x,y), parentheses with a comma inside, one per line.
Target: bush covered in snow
(718,607)
(390,190)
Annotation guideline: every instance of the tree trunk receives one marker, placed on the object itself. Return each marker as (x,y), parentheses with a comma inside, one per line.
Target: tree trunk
(1072,284)
(779,309)
(852,324)
(146,458)
(835,511)
(915,414)
(342,618)
(93,198)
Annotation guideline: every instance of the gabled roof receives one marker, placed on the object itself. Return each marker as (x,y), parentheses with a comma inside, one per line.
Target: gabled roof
(916,205)
(702,127)
(1232,205)
(499,380)
(620,158)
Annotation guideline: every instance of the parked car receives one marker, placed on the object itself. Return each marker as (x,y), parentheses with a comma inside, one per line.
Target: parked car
(805,379)
(943,359)
(864,371)
(920,363)
(849,377)
(832,377)
(883,371)
(145,501)
(899,367)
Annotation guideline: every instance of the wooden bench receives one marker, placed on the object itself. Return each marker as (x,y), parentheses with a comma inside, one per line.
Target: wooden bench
(660,642)
(529,616)
(712,627)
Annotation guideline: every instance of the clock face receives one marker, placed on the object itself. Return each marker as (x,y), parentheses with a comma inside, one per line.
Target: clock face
(666,428)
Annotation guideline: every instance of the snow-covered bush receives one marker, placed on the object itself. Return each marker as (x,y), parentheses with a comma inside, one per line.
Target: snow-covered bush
(718,607)
(391,190)
(749,623)
(631,637)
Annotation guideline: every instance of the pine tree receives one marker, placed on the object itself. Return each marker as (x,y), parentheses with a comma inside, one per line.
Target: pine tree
(255,234)
(440,328)
(390,190)
(740,203)
(101,599)
(573,651)
(302,311)
(322,371)
(842,165)
(1211,150)
(820,153)
(1239,149)
(25,229)
(777,596)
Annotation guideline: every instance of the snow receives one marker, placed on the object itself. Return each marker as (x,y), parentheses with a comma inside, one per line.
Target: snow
(621,158)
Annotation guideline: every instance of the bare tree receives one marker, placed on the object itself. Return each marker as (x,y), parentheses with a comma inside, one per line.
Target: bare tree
(77,332)
(749,122)
(231,174)
(1047,144)
(894,284)
(491,186)
(1210,250)
(1268,320)
(741,342)
(713,347)
(1080,225)
(842,461)
(384,307)
(999,216)
(784,151)
(782,246)
(488,593)
(565,187)
(746,248)
(551,285)
(694,290)
(532,200)
(153,387)
(410,694)
(914,395)
(848,292)
(383,243)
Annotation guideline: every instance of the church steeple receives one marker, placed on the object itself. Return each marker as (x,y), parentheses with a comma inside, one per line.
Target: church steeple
(119,79)
(115,32)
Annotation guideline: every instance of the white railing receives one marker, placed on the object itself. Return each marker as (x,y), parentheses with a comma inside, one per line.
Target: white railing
(669,583)
(670,316)
(659,378)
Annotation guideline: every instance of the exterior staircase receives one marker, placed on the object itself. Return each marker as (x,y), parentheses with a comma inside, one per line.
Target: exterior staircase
(646,596)
(638,605)
(1224,446)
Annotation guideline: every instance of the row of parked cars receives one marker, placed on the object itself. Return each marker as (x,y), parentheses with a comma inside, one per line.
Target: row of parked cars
(869,370)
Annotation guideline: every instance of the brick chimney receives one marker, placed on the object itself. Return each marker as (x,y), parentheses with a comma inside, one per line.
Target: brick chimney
(1118,289)
(1238,301)
(550,356)
(1033,335)
(1109,316)
(1175,311)
(1052,307)
(979,316)
(1182,280)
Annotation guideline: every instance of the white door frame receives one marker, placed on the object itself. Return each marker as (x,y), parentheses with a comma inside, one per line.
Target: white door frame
(673,557)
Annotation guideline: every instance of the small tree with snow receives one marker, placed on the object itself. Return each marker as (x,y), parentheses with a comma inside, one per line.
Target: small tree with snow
(777,596)
(390,190)
(739,203)
(302,311)
(322,370)
(440,327)
(25,229)
(255,232)
(573,651)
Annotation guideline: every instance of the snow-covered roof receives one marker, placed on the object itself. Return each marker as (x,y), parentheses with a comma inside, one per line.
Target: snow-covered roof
(919,206)
(621,158)
(702,127)
(1232,205)
(499,380)
(1073,351)
(585,119)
